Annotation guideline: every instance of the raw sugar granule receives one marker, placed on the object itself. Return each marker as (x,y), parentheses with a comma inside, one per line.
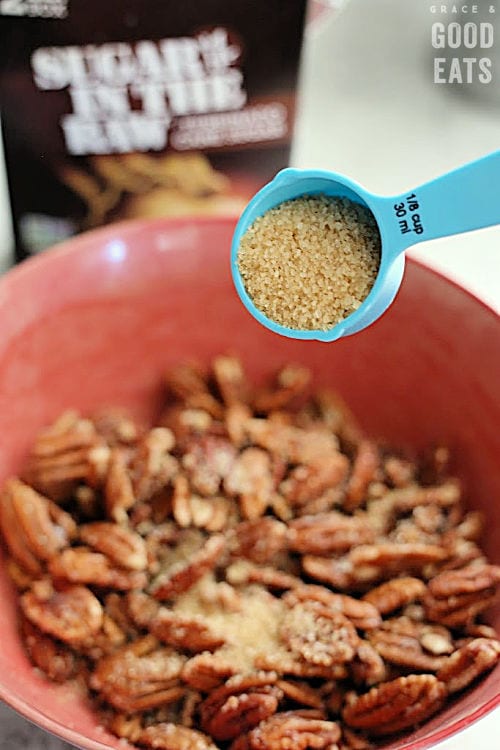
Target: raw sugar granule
(310,262)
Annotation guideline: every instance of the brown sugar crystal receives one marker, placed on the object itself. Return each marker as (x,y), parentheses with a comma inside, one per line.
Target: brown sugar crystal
(310,262)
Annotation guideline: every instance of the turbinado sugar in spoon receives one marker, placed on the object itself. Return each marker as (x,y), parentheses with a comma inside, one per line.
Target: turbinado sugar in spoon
(316,256)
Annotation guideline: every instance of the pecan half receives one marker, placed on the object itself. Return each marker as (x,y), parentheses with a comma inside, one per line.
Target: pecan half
(153,467)
(70,615)
(118,491)
(139,676)
(186,633)
(404,650)
(243,572)
(184,574)
(363,472)
(465,665)
(81,565)
(230,379)
(240,704)
(291,381)
(208,461)
(55,659)
(302,693)
(325,533)
(396,705)
(456,597)
(124,547)
(188,383)
(363,615)
(116,426)
(293,729)
(211,513)
(207,671)
(293,444)
(318,635)
(168,736)
(397,557)
(309,482)
(368,667)
(260,540)
(33,527)
(239,713)
(251,479)
(467,580)
(67,452)
(395,594)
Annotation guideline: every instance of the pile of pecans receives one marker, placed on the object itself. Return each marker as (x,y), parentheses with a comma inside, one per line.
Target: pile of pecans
(253,573)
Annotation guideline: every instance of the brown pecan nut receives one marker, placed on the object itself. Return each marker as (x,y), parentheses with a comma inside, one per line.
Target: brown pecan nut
(33,527)
(185,573)
(404,651)
(291,381)
(235,420)
(139,677)
(363,615)
(54,659)
(293,729)
(189,384)
(207,671)
(353,741)
(230,379)
(169,736)
(459,610)
(318,635)
(368,668)
(117,427)
(118,490)
(284,662)
(240,704)
(364,469)
(208,461)
(211,514)
(325,533)
(464,581)
(67,452)
(251,480)
(20,577)
(339,573)
(465,665)
(302,693)
(243,572)
(292,444)
(396,705)
(395,594)
(259,541)
(392,558)
(309,482)
(239,713)
(81,565)
(121,545)
(153,467)
(141,608)
(70,615)
(398,471)
(444,495)
(106,641)
(186,633)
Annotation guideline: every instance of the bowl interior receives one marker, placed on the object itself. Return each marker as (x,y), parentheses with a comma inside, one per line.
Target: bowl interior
(97,321)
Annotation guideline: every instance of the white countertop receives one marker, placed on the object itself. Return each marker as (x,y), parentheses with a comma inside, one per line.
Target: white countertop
(371,110)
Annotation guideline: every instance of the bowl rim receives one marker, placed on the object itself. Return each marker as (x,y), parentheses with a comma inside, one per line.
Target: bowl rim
(103,235)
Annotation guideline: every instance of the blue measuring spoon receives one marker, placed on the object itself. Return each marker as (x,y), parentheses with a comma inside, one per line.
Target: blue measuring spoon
(467,198)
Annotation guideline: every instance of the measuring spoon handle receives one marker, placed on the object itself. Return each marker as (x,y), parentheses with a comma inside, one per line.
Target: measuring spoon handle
(462,200)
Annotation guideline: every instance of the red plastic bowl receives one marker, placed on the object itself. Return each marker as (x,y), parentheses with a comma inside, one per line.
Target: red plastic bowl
(98,320)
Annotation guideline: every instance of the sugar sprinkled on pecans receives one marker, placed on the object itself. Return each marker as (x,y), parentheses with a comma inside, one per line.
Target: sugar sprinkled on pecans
(254,572)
